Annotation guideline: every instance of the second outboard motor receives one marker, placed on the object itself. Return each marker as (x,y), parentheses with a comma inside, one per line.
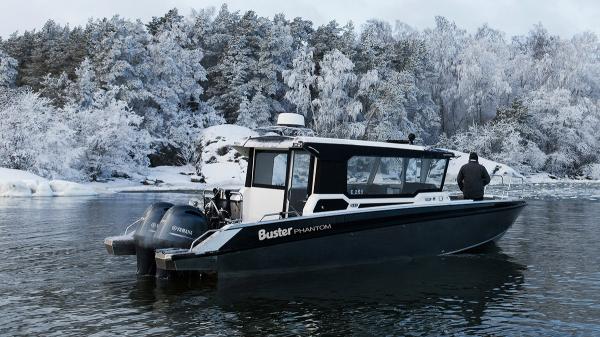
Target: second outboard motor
(179,227)
(144,237)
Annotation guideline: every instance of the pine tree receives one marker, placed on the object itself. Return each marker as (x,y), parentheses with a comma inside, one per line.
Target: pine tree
(444,44)
(335,108)
(300,81)
(83,90)
(8,70)
(274,57)
(112,139)
(255,113)
(239,67)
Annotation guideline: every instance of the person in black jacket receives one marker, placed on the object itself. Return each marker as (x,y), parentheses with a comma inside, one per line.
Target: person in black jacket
(472,177)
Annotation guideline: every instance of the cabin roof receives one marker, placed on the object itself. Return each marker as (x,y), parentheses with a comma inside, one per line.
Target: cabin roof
(329,146)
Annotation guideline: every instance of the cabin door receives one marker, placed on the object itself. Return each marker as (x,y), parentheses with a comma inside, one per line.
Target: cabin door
(298,186)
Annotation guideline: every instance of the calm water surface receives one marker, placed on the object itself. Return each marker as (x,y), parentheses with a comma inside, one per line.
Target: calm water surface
(543,279)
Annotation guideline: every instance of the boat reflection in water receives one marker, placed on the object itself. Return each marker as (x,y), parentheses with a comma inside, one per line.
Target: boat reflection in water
(461,287)
(469,280)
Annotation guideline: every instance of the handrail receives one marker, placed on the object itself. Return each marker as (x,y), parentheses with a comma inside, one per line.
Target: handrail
(507,191)
(210,231)
(133,223)
(522,179)
(278,213)
(511,178)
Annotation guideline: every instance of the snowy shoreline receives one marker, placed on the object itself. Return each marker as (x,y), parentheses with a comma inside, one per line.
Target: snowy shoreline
(219,165)
(174,179)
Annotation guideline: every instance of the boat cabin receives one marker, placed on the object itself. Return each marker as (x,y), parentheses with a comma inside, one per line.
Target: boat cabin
(294,176)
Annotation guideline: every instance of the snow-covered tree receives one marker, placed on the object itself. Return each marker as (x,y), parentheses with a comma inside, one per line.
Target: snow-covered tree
(335,108)
(254,113)
(56,88)
(500,141)
(274,58)
(533,98)
(375,46)
(565,129)
(82,91)
(118,52)
(34,136)
(300,79)
(483,84)
(386,98)
(330,37)
(444,43)
(8,70)
(111,137)
(174,74)
(237,71)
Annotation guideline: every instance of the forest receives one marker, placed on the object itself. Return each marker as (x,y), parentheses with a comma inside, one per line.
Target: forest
(118,95)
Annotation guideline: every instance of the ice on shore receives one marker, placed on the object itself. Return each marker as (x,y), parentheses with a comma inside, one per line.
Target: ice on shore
(17,183)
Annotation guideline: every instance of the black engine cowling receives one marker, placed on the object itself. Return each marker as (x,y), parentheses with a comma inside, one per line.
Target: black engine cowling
(166,226)
(144,235)
(180,226)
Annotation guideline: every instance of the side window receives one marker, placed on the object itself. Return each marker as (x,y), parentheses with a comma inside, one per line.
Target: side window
(269,169)
(378,176)
(374,175)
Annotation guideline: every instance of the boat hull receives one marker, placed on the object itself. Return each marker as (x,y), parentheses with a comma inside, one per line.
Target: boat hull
(353,238)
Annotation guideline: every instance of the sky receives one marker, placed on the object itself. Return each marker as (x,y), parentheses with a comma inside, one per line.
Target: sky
(515,17)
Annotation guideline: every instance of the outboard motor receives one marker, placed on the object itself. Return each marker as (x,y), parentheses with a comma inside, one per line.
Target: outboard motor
(179,227)
(144,237)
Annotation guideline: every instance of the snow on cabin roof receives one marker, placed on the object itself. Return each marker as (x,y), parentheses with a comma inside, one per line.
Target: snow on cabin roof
(286,142)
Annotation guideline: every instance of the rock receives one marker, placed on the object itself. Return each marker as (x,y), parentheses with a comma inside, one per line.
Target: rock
(165,154)
(216,159)
(117,174)
(151,182)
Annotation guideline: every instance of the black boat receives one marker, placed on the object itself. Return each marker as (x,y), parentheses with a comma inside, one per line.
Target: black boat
(313,203)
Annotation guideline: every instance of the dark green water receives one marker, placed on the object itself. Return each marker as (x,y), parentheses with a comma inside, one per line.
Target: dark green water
(542,279)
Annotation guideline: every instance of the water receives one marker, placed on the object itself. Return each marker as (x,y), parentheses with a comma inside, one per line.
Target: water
(543,278)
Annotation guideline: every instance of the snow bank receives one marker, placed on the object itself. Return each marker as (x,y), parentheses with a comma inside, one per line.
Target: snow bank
(220,164)
(495,169)
(224,174)
(154,179)
(17,183)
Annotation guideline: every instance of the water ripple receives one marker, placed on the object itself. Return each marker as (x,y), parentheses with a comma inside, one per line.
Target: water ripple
(541,280)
